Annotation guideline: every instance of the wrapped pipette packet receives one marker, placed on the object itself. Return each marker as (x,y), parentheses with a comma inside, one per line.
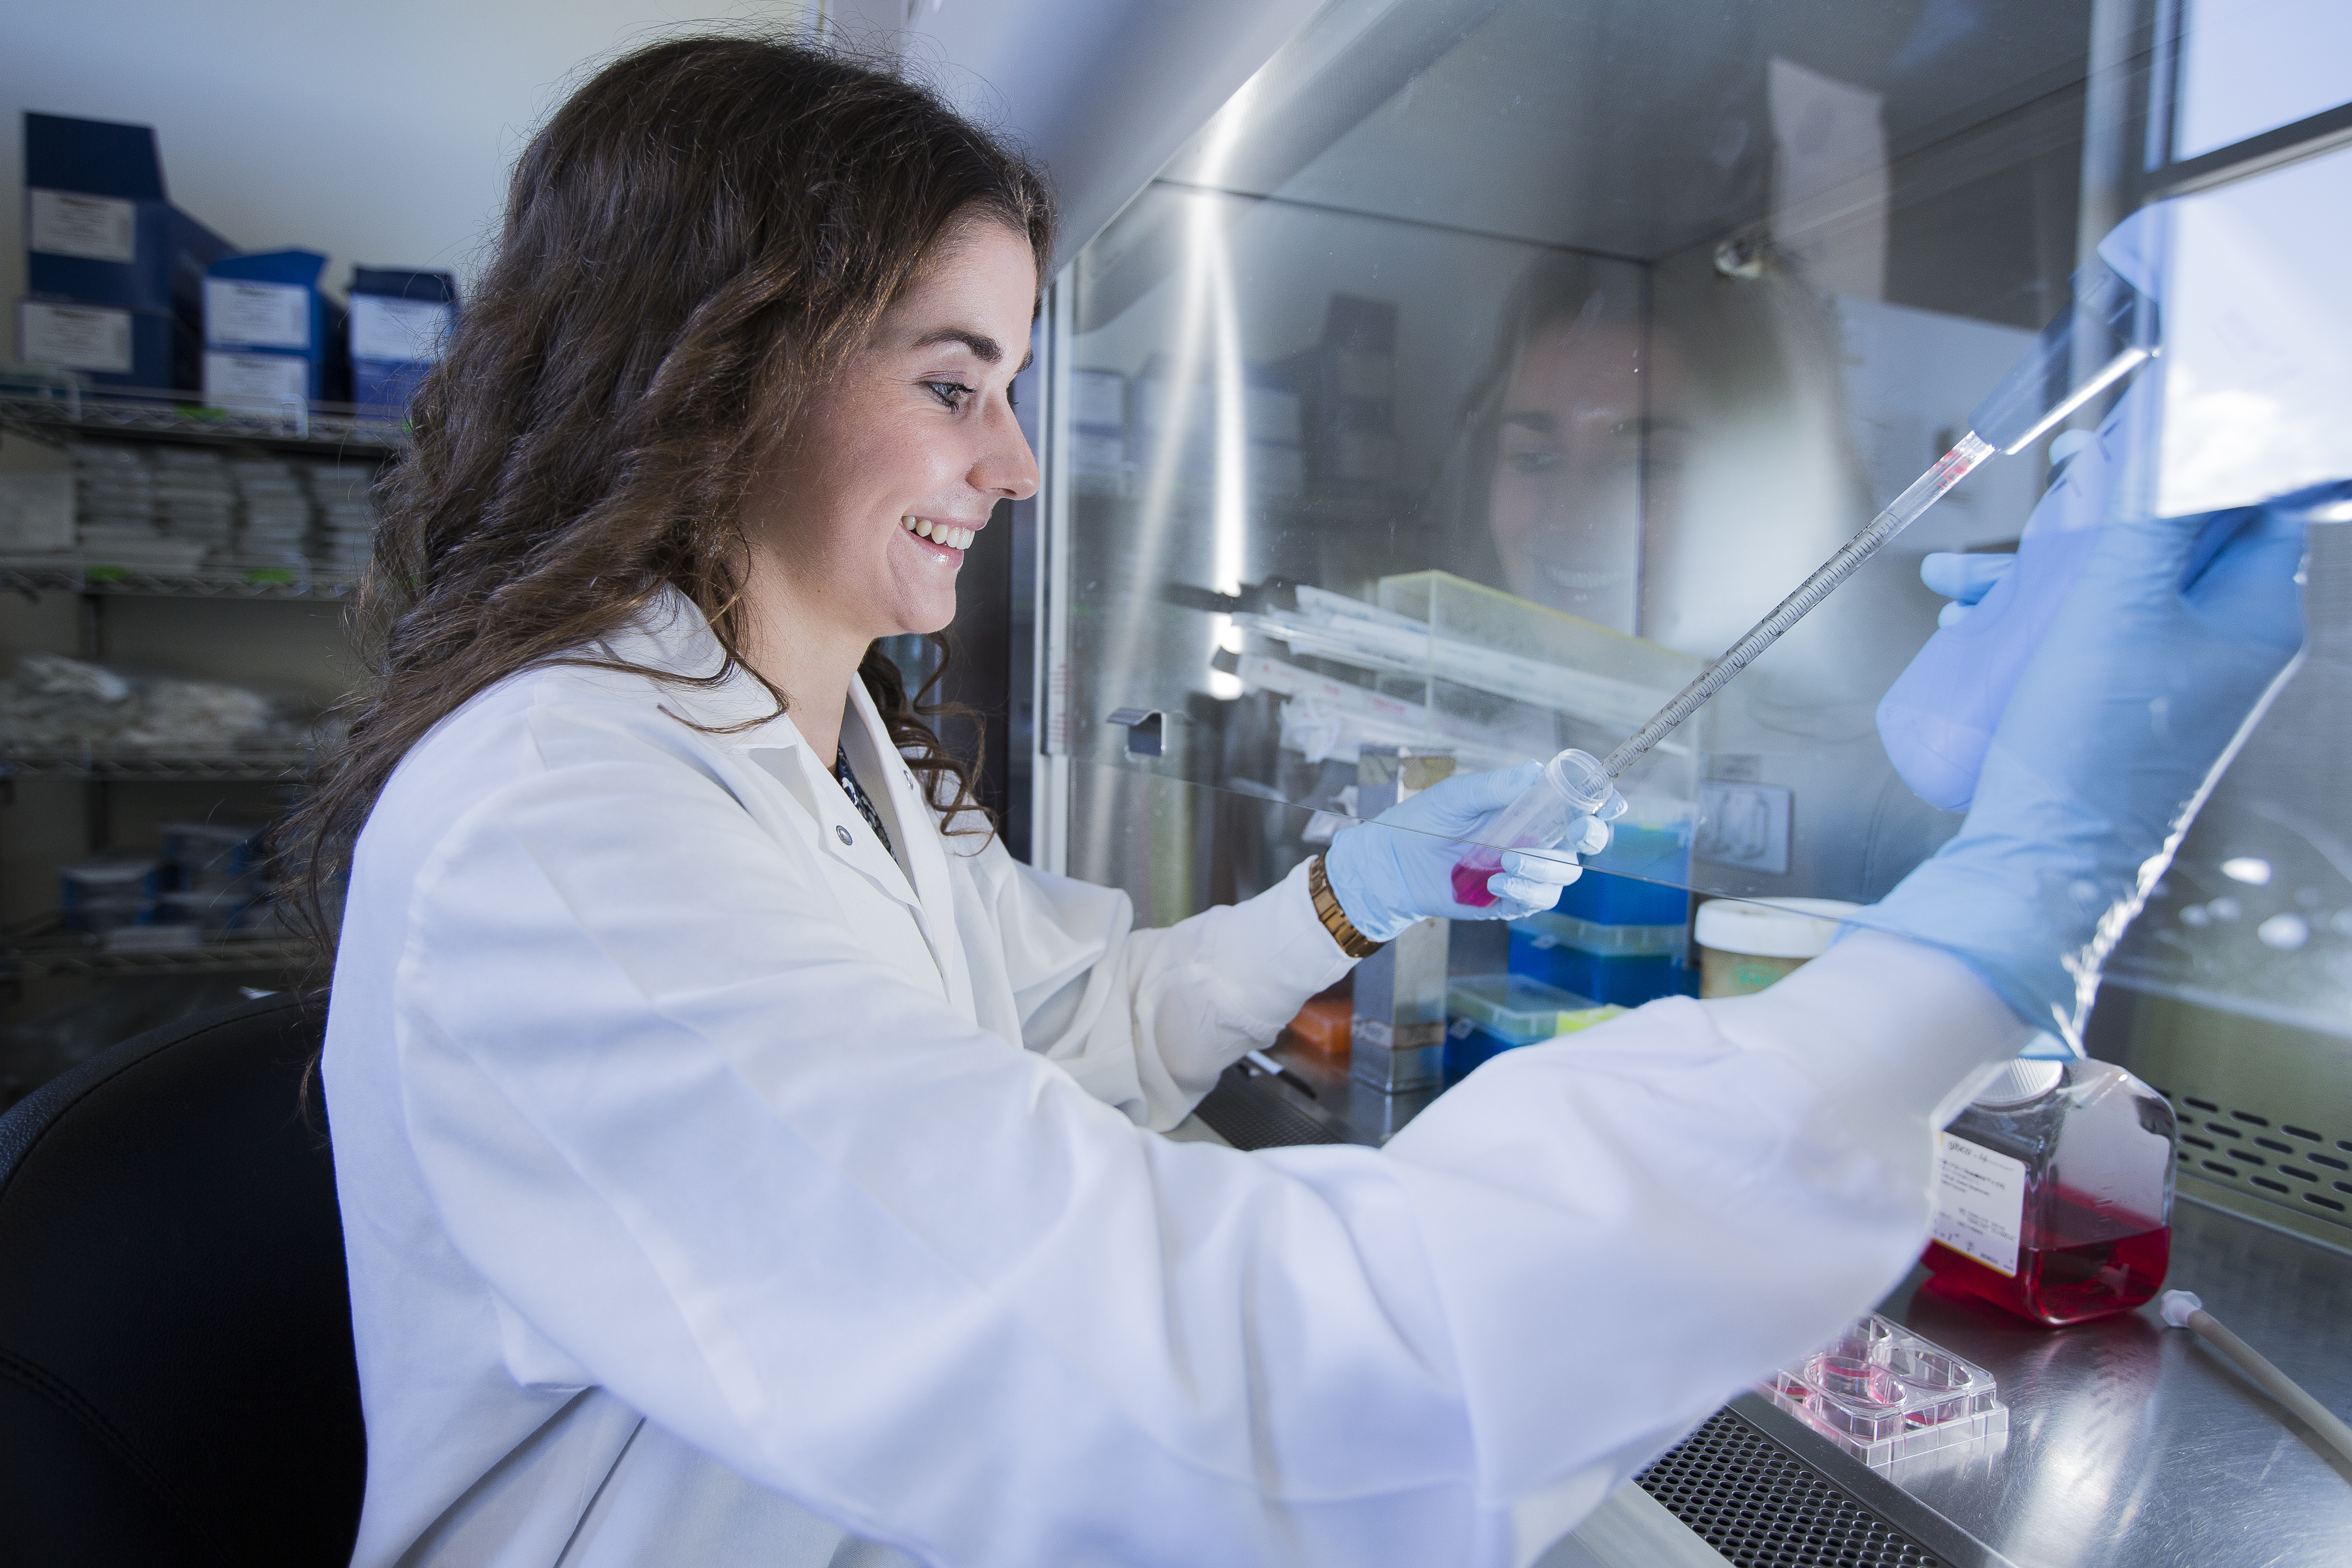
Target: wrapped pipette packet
(1882,1394)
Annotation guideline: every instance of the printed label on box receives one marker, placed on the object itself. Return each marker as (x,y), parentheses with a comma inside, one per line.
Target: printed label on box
(257,315)
(1979,1202)
(404,331)
(256,381)
(74,337)
(96,228)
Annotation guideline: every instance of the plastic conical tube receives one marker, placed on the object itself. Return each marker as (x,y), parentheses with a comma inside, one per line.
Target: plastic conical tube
(1571,785)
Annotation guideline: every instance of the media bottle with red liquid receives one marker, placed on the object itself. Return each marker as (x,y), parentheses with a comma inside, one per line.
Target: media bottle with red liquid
(1572,785)
(2054,1193)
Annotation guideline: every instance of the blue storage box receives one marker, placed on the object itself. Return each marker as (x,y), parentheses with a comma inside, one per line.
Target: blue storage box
(270,332)
(212,856)
(109,891)
(1553,928)
(106,345)
(1641,878)
(400,319)
(1626,981)
(98,229)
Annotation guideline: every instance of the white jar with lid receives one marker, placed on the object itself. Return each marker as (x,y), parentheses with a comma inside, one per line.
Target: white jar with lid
(1746,944)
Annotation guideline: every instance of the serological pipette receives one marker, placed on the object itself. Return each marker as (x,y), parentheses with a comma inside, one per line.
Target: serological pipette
(2032,399)
(2020,412)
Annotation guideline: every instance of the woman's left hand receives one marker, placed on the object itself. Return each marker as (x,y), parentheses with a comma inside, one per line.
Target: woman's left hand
(1399,868)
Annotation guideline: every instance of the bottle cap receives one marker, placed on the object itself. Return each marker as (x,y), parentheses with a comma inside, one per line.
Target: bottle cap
(1771,928)
(2020,1082)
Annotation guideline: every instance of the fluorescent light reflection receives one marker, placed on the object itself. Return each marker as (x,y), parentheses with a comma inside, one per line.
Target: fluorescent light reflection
(1208,359)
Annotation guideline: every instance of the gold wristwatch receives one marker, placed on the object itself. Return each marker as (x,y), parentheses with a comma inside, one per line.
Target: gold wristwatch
(1352,943)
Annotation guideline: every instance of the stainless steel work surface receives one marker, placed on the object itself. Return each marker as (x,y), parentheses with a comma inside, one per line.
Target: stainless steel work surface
(2129,1443)
(2133,1443)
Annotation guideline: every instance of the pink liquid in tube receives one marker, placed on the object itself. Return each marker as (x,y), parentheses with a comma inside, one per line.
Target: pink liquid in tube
(1573,784)
(1470,874)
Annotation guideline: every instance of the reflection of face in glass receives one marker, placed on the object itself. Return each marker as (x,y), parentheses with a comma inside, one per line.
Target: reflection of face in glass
(1580,457)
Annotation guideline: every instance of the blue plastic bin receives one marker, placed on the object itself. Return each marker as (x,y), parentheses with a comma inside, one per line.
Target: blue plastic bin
(1627,980)
(1640,879)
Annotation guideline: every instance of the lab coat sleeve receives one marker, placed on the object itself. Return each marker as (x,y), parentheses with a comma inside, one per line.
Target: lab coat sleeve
(1147,1019)
(720,1161)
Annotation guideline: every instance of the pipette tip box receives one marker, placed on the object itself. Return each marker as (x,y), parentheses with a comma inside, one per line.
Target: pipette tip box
(1495,1013)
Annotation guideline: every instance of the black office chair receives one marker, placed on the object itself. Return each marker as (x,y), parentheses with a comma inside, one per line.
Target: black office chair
(176,1378)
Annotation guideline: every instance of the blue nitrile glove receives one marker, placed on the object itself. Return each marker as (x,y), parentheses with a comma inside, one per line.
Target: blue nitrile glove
(1399,868)
(1938,716)
(2103,752)
(1962,579)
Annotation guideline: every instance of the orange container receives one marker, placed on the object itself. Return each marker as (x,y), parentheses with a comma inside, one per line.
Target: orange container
(1322,1027)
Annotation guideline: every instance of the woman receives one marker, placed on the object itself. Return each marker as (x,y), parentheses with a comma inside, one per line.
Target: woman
(743,1160)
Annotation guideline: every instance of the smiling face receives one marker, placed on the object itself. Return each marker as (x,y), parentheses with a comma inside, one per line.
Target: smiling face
(1580,457)
(862,526)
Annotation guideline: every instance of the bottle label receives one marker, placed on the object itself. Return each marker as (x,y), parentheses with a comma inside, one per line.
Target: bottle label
(1979,1202)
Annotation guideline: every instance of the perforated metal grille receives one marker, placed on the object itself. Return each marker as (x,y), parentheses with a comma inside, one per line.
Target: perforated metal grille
(2277,1158)
(1249,1116)
(1761,1507)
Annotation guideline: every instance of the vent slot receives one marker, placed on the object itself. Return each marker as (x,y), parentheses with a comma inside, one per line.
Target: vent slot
(2252,1101)
(1762,1507)
(2322,1203)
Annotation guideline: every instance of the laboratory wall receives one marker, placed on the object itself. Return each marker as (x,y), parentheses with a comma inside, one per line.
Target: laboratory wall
(386,140)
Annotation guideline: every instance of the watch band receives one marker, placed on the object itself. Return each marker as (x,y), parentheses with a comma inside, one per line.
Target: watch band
(1352,943)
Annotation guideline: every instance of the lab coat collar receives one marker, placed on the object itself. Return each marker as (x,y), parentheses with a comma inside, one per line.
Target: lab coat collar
(672,636)
(739,714)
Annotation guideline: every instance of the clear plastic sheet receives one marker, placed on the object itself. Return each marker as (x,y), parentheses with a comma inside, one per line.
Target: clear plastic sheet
(1474,399)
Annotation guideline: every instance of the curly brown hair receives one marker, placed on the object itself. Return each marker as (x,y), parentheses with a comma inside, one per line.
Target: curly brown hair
(693,244)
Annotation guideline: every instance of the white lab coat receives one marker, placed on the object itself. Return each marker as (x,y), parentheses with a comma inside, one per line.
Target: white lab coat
(714,1195)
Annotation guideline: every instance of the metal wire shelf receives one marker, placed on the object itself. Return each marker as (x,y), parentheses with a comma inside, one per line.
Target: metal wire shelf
(81,576)
(43,946)
(93,765)
(53,415)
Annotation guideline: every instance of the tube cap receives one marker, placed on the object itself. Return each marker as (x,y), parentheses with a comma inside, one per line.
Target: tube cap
(2175,1306)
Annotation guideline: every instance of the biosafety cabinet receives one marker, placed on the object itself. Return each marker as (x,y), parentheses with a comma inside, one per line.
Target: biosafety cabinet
(1484,368)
